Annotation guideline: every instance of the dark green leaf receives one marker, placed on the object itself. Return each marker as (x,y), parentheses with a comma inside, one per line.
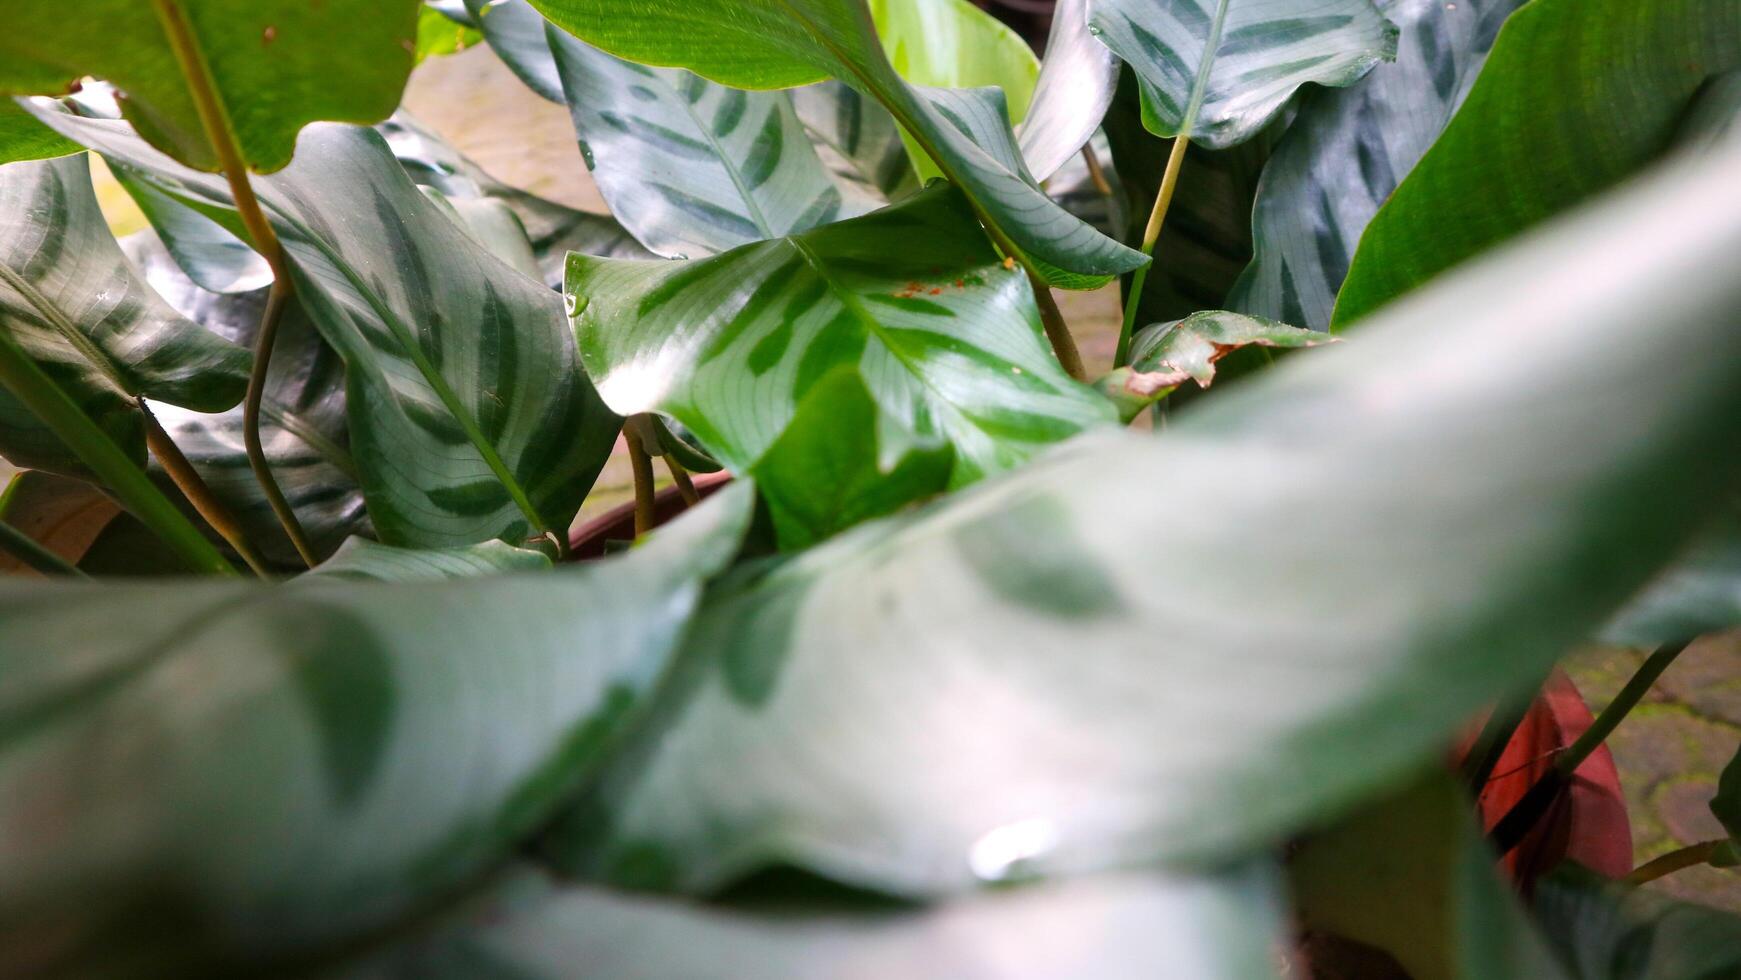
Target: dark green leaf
(1217,71)
(1071,95)
(1190,646)
(694,168)
(1114,927)
(278,65)
(1349,148)
(1700,594)
(304,762)
(1622,76)
(1726,805)
(469,416)
(1166,355)
(79,309)
(1605,932)
(796,42)
(912,298)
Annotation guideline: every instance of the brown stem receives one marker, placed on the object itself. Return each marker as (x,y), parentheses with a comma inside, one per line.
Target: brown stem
(204,502)
(646,516)
(1686,857)
(680,476)
(215,120)
(1057,331)
(1096,173)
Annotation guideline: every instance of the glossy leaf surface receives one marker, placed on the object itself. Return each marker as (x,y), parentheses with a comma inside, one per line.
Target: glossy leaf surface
(1071,95)
(77,306)
(1217,71)
(278,65)
(1349,148)
(389,738)
(469,418)
(796,42)
(1624,74)
(1010,683)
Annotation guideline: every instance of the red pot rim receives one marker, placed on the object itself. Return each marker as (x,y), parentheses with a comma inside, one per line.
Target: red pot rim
(592,539)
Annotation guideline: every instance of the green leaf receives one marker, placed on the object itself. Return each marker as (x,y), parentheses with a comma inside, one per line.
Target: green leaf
(912,298)
(1349,148)
(23,138)
(306,762)
(1166,355)
(278,65)
(62,515)
(1413,876)
(1071,95)
(362,560)
(691,167)
(1222,926)
(1715,113)
(516,33)
(1624,75)
(857,138)
(1189,646)
(438,34)
(1698,595)
(73,302)
(796,42)
(1726,805)
(469,416)
(1217,71)
(1603,931)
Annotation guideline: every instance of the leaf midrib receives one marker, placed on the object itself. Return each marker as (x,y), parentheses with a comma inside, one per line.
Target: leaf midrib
(63,325)
(1200,84)
(725,161)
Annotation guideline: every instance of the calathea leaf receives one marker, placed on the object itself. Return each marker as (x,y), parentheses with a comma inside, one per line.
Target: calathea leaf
(515,32)
(856,137)
(1603,931)
(1698,595)
(553,229)
(303,427)
(1347,151)
(390,738)
(1627,75)
(1217,71)
(22,137)
(277,65)
(75,304)
(691,167)
(1715,113)
(360,559)
(62,515)
(1316,633)
(796,42)
(912,298)
(1075,86)
(469,417)
(1219,926)
(1164,356)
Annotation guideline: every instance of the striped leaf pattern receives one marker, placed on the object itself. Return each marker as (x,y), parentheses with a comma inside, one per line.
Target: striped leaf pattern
(856,137)
(469,417)
(362,560)
(1218,71)
(911,298)
(515,32)
(392,739)
(690,167)
(1347,151)
(303,426)
(75,304)
(1074,89)
(797,42)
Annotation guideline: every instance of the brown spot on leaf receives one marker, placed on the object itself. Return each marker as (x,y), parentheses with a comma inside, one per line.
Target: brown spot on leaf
(268,35)
(1009,262)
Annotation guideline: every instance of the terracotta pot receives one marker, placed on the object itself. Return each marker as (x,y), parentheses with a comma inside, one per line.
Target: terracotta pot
(1588,823)
(592,539)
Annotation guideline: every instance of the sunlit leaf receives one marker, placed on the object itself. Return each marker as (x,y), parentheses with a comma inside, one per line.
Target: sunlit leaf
(1071,95)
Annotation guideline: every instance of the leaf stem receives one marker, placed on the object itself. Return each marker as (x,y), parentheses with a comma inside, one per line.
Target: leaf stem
(1686,857)
(126,480)
(1527,811)
(646,514)
(680,476)
(215,120)
(1096,173)
(27,550)
(1151,235)
(1057,331)
(205,503)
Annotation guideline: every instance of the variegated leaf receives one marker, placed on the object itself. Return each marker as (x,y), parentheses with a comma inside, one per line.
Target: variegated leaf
(362,560)
(802,41)
(515,32)
(1164,356)
(1075,87)
(691,167)
(911,298)
(77,306)
(857,138)
(469,416)
(1217,71)
(1347,151)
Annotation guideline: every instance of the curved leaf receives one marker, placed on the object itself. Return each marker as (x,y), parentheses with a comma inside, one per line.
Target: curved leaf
(516,33)
(1115,927)
(1164,356)
(22,137)
(469,416)
(691,167)
(911,298)
(362,560)
(1604,931)
(1624,75)
(439,34)
(857,138)
(389,739)
(1192,646)
(75,304)
(1347,151)
(1217,71)
(795,42)
(1075,86)
(64,516)
(278,65)
(1698,595)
